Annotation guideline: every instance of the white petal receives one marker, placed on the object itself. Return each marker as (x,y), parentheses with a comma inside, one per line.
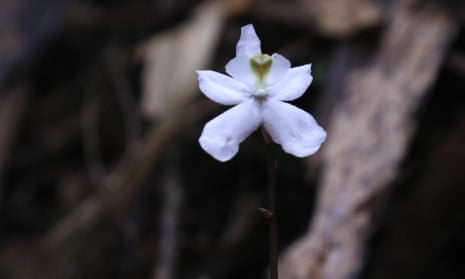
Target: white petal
(293,85)
(278,69)
(249,43)
(239,68)
(296,130)
(222,135)
(221,88)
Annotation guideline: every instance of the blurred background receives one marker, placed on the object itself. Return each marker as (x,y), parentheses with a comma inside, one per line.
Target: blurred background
(101,175)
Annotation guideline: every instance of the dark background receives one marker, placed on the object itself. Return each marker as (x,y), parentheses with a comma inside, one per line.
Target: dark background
(93,184)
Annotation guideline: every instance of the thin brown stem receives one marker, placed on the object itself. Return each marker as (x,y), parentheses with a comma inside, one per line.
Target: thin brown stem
(270,213)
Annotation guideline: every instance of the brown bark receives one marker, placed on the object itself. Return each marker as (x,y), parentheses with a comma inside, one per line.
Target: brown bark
(420,226)
(367,139)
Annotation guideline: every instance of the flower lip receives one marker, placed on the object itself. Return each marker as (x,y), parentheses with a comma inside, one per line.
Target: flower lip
(261,64)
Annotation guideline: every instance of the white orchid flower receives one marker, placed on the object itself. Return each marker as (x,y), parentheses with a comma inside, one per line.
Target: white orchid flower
(257,86)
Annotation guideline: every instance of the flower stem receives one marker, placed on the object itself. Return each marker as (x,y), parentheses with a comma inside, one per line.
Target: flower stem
(270,213)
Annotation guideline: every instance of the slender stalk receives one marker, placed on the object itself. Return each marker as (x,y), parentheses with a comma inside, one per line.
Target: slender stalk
(270,213)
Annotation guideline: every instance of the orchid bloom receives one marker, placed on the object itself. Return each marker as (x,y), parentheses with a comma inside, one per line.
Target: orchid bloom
(257,86)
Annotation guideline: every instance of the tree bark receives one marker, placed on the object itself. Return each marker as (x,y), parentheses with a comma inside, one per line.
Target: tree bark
(367,138)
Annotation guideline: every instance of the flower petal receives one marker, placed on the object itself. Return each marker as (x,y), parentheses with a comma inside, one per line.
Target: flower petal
(279,68)
(239,68)
(293,85)
(296,130)
(222,135)
(221,88)
(249,43)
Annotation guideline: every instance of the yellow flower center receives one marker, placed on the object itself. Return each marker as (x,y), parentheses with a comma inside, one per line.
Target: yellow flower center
(261,64)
